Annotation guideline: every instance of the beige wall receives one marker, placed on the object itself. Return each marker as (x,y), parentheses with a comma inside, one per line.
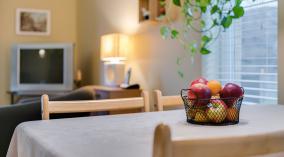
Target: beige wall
(152,59)
(280,52)
(63,29)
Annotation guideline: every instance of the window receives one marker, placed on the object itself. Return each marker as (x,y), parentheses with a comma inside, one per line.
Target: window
(247,53)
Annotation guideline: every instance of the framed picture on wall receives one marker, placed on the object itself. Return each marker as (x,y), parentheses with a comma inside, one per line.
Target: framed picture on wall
(32,22)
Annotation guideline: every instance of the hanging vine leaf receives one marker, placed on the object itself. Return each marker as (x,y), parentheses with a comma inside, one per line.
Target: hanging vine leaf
(204,51)
(174,34)
(205,40)
(177,3)
(180,73)
(202,24)
(204,3)
(193,47)
(227,22)
(239,2)
(214,9)
(203,9)
(238,11)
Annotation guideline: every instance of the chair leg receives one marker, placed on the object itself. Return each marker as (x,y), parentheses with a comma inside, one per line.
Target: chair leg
(44,107)
(158,99)
(145,96)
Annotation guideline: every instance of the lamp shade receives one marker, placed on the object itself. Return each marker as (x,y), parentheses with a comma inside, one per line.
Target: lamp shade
(114,47)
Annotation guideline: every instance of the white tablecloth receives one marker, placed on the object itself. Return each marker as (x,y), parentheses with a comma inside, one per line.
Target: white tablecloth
(129,135)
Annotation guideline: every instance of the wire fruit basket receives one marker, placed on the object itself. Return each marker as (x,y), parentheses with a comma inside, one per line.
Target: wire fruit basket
(214,111)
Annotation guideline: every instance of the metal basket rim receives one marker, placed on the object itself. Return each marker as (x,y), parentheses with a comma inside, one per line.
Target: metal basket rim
(228,98)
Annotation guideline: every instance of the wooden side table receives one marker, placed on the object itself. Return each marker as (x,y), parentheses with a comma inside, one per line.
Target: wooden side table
(20,95)
(103,92)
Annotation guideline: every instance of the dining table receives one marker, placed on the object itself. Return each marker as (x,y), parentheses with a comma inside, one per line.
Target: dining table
(131,135)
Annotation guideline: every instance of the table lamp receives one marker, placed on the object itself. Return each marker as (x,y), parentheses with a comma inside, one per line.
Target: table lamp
(114,49)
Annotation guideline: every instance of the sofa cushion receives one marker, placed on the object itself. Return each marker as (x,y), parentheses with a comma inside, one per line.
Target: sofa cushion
(13,115)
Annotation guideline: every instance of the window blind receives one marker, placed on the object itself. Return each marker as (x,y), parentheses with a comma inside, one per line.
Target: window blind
(246,53)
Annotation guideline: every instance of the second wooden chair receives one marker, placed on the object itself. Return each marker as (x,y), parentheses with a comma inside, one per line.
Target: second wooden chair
(166,101)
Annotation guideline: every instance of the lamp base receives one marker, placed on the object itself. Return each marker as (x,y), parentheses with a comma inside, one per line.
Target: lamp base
(113,73)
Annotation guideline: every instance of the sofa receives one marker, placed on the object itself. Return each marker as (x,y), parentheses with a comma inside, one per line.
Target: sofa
(13,115)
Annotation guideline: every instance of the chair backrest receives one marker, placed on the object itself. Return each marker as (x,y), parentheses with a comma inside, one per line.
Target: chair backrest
(51,107)
(166,101)
(242,146)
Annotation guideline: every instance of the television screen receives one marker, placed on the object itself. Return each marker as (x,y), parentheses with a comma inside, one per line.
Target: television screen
(41,66)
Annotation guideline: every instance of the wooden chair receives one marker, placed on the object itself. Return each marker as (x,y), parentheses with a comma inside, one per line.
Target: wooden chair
(271,144)
(52,107)
(166,101)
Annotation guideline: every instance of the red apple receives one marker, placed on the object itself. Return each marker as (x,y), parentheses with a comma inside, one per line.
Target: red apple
(199,80)
(231,90)
(230,93)
(201,93)
(217,111)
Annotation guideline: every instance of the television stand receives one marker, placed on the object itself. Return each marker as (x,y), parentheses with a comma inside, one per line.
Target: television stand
(16,96)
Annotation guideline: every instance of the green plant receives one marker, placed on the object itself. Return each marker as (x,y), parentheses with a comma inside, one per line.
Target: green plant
(206,17)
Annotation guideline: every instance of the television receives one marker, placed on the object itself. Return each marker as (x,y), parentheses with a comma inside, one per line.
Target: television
(42,67)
